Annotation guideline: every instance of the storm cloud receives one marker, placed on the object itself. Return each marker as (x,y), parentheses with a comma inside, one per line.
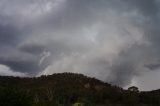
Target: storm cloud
(112,40)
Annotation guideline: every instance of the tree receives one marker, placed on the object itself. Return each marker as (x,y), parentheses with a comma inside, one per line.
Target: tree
(133,89)
(14,97)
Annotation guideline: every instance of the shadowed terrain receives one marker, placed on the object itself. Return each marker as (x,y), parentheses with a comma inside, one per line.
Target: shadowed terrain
(68,89)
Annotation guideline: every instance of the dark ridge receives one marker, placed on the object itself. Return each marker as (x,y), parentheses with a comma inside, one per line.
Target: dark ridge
(70,89)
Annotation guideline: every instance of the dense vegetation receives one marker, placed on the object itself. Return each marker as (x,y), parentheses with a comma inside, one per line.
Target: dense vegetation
(68,89)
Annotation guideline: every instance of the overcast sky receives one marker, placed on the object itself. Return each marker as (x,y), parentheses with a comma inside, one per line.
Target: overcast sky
(117,41)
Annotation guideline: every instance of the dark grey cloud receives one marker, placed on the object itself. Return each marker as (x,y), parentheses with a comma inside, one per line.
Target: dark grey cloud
(22,66)
(35,49)
(153,66)
(113,40)
(146,7)
(20,62)
(8,35)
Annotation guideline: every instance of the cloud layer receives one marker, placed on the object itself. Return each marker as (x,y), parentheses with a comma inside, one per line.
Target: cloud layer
(113,40)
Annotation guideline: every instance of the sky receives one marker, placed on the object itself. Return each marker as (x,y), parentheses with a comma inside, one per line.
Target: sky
(116,41)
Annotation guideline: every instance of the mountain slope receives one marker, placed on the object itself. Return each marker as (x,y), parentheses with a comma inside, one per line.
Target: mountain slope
(68,89)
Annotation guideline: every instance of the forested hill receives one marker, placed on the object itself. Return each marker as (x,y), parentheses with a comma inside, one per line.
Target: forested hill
(68,89)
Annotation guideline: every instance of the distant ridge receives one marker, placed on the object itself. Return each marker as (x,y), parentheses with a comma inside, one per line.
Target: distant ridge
(67,89)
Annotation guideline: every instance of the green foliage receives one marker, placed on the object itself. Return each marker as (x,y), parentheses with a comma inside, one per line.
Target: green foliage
(133,89)
(14,97)
(45,103)
(69,89)
(78,104)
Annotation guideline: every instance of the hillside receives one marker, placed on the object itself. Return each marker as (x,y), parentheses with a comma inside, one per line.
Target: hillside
(68,89)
